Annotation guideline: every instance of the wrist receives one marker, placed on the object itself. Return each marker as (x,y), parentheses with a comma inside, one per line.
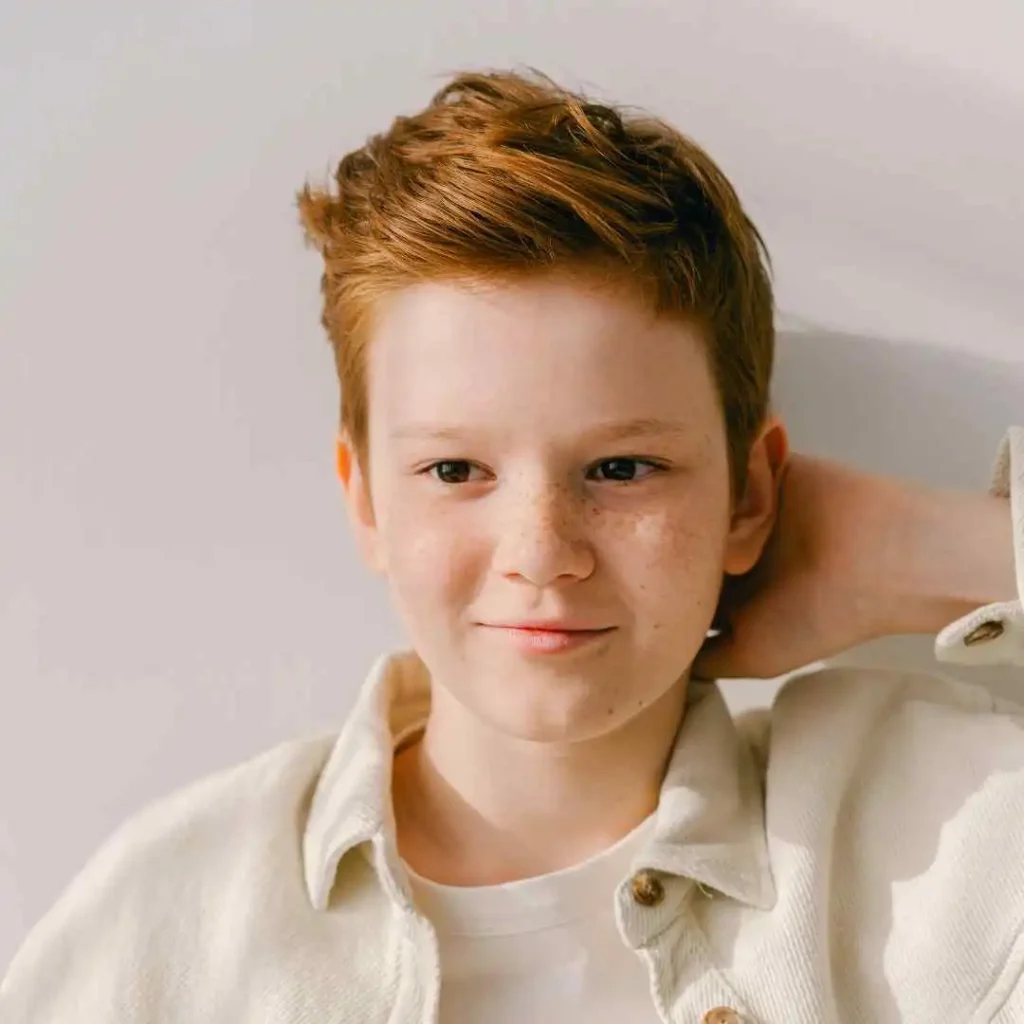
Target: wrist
(951,553)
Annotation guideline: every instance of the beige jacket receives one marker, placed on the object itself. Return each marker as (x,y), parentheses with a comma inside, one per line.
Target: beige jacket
(854,855)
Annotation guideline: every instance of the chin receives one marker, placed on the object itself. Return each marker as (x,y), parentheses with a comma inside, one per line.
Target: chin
(544,709)
(540,729)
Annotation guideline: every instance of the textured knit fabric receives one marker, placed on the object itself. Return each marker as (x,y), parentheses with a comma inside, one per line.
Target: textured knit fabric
(853,854)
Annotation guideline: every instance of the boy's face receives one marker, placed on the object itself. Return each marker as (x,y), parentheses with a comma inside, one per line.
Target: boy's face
(543,453)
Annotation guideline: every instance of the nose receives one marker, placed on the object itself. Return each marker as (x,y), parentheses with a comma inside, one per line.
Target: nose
(542,536)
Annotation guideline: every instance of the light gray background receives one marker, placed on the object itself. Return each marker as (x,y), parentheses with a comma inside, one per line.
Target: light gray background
(177,587)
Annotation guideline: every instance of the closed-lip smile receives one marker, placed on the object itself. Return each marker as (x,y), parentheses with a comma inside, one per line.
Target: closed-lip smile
(549,636)
(550,626)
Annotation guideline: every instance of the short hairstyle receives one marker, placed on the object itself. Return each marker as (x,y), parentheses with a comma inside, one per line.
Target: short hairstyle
(506,174)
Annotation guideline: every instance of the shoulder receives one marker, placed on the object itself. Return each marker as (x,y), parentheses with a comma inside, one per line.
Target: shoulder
(857,708)
(899,731)
(902,793)
(212,824)
(158,880)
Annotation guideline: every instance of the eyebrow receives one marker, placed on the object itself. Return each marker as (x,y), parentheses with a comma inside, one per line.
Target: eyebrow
(615,430)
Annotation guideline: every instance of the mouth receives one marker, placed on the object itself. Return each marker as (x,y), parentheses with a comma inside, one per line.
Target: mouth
(547,637)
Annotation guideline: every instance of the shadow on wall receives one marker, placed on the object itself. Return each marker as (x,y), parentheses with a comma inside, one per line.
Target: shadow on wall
(903,409)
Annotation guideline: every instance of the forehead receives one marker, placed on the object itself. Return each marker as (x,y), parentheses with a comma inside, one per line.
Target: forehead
(547,348)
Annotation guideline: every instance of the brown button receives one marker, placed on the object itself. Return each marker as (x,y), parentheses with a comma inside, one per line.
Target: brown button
(648,890)
(986,631)
(721,1015)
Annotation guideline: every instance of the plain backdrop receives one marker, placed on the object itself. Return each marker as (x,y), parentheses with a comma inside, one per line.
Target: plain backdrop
(178,590)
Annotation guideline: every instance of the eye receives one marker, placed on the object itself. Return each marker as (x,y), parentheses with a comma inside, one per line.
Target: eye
(452,471)
(624,471)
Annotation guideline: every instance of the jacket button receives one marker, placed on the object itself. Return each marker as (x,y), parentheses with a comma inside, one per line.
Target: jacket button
(647,888)
(986,631)
(721,1015)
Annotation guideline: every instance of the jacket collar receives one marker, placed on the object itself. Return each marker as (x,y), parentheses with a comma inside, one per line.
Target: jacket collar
(709,826)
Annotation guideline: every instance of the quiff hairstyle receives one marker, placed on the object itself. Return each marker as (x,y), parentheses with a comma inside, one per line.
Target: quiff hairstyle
(506,175)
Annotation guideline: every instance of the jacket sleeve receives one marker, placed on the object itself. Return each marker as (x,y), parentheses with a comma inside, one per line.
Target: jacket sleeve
(117,945)
(1004,1003)
(994,634)
(106,952)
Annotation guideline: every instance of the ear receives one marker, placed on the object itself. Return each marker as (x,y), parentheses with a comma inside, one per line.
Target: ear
(755,511)
(360,505)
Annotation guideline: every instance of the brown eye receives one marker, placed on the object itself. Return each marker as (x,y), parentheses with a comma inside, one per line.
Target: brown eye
(618,469)
(454,471)
(623,471)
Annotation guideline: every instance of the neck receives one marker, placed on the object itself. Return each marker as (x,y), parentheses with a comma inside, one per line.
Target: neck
(473,807)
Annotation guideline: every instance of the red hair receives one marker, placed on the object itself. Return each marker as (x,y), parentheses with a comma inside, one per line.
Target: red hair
(504,175)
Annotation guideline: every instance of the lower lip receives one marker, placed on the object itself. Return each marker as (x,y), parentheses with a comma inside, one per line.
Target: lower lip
(551,641)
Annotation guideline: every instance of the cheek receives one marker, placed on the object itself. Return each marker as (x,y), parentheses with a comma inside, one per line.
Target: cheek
(672,563)
(681,534)
(431,561)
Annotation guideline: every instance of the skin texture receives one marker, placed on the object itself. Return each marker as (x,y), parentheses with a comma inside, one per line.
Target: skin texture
(517,473)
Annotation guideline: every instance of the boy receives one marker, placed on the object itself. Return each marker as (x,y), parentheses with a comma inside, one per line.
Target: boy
(553,330)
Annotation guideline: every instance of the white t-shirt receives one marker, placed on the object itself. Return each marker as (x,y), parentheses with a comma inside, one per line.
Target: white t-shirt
(541,949)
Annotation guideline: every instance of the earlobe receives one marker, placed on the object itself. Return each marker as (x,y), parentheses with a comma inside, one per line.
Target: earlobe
(755,512)
(360,507)
(751,526)
(343,458)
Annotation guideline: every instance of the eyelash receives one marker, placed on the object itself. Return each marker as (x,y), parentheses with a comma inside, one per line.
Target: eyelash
(654,466)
